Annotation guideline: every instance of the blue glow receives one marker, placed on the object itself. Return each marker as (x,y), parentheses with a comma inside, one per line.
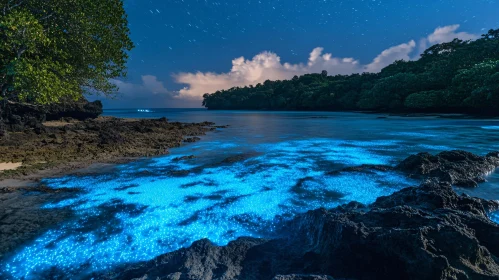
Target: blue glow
(494,216)
(156,206)
(144,111)
(491,127)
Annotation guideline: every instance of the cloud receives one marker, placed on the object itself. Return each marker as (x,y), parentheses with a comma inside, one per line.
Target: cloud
(264,66)
(268,65)
(388,56)
(448,33)
(443,35)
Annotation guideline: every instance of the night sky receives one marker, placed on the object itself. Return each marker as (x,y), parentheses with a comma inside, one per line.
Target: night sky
(185,48)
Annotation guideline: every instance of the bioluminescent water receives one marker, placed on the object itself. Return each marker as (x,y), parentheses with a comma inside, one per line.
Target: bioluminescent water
(244,180)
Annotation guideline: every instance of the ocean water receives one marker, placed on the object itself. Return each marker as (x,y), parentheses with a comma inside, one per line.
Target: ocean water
(245,180)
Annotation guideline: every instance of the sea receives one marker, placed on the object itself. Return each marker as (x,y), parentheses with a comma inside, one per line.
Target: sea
(245,180)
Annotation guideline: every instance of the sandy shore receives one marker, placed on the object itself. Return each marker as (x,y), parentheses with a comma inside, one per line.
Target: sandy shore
(10,165)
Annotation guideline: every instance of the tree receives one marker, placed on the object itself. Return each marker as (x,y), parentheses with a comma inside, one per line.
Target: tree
(478,87)
(458,76)
(52,49)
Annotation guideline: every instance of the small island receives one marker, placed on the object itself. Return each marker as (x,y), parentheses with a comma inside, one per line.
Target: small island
(456,77)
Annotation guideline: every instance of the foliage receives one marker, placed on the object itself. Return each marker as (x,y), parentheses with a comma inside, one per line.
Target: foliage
(459,76)
(51,49)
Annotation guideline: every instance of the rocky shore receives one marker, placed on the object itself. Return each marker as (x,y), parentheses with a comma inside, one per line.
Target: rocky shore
(65,145)
(42,141)
(38,142)
(422,232)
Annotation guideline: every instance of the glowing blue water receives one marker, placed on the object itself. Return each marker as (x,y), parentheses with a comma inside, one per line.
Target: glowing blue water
(150,207)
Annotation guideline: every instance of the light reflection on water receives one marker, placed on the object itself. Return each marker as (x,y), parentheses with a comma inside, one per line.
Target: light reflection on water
(146,208)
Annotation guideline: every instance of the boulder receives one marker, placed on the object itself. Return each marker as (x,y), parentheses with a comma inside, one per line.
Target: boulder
(21,116)
(459,168)
(80,110)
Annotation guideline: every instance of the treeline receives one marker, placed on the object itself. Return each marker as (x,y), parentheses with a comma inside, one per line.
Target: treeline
(459,76)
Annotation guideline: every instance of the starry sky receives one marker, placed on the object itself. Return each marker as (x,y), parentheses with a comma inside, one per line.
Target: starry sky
(185,48)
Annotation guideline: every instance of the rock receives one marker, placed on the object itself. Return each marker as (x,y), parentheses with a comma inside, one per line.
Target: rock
(302,277)
(184,158)
(20,116)
(425,232)
(79,110)
(3,128)
(192,139)
(102,140)
(456,167)
(110,137)
(365,168)
(239,157)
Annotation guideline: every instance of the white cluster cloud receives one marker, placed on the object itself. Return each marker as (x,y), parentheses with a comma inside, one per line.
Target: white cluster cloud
(448,33)
(268,66)
(443,35)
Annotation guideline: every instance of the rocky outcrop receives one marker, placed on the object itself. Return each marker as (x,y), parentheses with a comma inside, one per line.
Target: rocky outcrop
(20,116)
(459,168)
(79,110)
(425,232)
(104,139)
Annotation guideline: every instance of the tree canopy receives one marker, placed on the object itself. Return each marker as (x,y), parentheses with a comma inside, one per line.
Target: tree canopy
(458,76)
(52,49)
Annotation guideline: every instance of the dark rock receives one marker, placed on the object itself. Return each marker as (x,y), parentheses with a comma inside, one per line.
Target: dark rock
(365,168)
(192,139)
(79,110)
(3,128)
(109,137)
(302,277)
(21,116)
(184,158)
(457,167)
(179,173)
(238,158)
(425,232)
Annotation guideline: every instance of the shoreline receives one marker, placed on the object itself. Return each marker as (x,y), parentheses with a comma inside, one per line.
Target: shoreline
(418,208)
(427,231)
(64,147)
(22,194)
(408,114)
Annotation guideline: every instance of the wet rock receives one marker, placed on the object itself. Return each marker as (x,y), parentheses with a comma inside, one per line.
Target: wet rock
(104,140)
(425,232)
(184,158)
(22,216)
(192,139)
(456,167)
(238,158)
(365,168)
(302,277)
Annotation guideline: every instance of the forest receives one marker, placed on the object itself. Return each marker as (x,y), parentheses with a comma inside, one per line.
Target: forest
(455,77)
